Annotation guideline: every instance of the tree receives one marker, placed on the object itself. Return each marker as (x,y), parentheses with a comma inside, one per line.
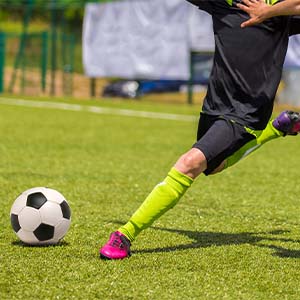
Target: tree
(73,9)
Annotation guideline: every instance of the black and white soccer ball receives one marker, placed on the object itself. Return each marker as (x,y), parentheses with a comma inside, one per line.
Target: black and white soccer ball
(40,216)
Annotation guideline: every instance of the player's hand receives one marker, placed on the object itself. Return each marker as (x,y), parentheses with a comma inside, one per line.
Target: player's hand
(255,9)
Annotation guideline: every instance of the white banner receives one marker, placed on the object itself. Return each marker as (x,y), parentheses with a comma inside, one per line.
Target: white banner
(137,39)
(293,54)
(149,39)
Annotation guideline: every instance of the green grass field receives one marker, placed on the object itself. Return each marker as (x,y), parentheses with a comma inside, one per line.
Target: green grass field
(235,235)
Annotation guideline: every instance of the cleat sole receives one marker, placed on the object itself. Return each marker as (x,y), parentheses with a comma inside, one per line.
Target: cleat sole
(104,257)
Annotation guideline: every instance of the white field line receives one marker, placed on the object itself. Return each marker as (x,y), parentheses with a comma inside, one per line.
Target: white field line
(97,109)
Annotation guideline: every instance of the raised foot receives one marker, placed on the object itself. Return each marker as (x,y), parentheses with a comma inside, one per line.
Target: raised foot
(288,122)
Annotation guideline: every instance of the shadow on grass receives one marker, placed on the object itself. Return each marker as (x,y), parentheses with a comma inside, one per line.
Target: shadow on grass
(209,239)
(21,244)
(283,252)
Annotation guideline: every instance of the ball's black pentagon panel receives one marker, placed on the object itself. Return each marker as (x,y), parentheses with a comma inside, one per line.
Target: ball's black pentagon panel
(65,208)
(44,232)
(36,200)
(15,222)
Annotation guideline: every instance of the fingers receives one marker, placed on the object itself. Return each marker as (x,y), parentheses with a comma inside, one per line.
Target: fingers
(248,23)
(252,21)
(244,7)
(247,2)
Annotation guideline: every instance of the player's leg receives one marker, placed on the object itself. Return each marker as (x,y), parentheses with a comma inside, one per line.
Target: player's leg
(287,123)
(221,136)
(163,197)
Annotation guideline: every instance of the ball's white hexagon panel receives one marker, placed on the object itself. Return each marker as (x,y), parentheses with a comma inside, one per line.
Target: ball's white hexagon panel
(29,218)
(51,213)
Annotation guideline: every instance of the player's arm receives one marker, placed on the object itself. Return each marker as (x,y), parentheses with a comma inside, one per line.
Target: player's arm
(259,11)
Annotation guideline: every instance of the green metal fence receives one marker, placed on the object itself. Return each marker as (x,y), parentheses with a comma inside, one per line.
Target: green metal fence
(33,62)
(27,57)
(25,63)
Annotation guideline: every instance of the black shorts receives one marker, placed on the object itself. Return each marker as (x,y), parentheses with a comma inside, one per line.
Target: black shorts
(219,138)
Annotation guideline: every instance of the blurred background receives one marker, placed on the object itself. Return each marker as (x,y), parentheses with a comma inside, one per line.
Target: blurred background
(128,49)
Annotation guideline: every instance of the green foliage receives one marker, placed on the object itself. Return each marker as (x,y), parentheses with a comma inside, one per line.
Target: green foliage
(233,236)
(72,10)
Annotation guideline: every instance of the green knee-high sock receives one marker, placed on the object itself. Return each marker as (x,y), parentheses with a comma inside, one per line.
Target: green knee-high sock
(162,198)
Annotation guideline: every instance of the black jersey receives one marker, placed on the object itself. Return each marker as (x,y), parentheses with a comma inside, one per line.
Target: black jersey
(247,64)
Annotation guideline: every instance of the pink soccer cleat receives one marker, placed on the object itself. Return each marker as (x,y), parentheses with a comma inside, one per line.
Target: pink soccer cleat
(118,247)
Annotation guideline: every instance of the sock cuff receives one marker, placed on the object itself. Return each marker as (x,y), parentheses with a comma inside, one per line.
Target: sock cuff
(180,177)
(277,132)
(132,228)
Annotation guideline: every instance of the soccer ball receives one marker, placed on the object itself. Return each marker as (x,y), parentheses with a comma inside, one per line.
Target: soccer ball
(40,216)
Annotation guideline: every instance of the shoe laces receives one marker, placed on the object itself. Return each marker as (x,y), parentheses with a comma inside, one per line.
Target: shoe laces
(295,122)
(118,242)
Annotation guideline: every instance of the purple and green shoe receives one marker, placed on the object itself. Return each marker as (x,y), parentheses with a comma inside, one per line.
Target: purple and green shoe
(288,122)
